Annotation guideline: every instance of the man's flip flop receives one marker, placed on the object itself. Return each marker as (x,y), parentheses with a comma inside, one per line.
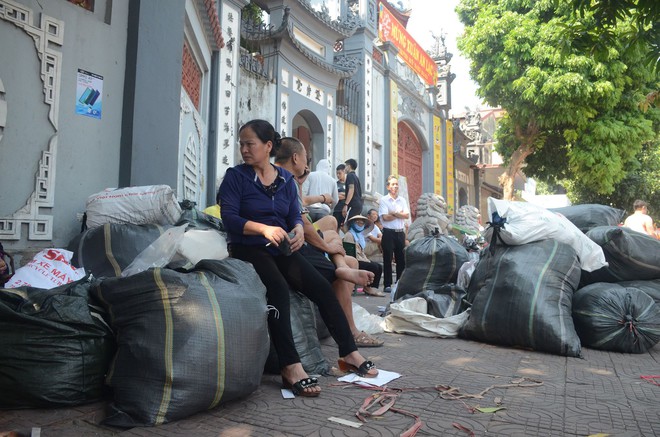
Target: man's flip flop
(299,387)
(362,371)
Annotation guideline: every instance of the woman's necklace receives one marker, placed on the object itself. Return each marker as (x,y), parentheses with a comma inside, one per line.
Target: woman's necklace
(272,188)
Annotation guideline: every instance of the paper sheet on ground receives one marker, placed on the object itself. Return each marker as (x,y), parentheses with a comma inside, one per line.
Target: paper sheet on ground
(383,378)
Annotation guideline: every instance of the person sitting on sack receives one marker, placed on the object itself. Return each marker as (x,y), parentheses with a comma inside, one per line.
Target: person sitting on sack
(358,227)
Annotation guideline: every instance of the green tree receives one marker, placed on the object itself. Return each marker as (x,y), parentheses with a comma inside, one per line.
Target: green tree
(643,182)
(572,114)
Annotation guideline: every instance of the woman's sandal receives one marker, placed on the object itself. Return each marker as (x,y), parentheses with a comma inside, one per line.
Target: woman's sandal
(299,387)
(365,340)
(362,371)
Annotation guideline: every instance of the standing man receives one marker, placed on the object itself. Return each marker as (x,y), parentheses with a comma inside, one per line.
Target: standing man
(640,221)
(393,211)
(353,200)
(341,193)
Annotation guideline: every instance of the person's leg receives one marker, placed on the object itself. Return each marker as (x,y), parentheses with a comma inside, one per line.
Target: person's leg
(347,266)
(388,247)
(374,268)
(399,254)
(279,323)
(343,292)
(303,277)
(326,223)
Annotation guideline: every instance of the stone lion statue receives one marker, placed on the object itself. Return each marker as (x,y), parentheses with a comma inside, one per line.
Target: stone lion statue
(468,217)
(431,215)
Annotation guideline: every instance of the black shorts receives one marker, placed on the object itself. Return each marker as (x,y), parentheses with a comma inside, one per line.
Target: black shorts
(318,259)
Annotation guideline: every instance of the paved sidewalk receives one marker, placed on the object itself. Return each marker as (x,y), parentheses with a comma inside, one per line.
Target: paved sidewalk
(600,393)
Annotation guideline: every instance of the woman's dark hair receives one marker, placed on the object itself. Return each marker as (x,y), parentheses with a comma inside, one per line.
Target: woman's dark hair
(265,132)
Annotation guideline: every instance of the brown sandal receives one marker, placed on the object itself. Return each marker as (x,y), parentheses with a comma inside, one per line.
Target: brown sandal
(365,340)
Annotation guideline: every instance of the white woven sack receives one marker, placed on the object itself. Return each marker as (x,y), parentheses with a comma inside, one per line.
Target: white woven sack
(48,269)
(149,204)
(526,223)
(411,317)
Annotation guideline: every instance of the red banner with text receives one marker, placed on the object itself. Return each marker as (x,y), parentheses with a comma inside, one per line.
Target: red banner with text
(389,29)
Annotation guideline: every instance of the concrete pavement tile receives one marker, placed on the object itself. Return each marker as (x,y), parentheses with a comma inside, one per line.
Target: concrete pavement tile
(545,367)
(586,416)
(47,418)
(506,429)
(647,418)
(444,425)
(639,391)
(596,387)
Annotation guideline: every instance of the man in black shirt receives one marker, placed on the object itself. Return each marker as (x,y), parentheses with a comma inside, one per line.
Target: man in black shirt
(353,200)
(341,191)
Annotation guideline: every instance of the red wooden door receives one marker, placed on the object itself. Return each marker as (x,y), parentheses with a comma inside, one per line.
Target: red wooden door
(410,164)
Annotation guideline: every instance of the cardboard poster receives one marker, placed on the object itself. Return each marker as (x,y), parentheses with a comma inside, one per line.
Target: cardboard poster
(89,94)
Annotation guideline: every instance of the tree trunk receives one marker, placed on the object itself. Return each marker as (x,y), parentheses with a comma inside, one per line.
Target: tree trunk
(517,160)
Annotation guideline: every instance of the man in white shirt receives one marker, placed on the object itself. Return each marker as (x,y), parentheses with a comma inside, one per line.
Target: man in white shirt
(640,221)
(393,211)
(319,191)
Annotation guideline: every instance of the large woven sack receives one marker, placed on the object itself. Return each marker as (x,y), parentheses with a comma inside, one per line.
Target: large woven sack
(55,348)
(149,204)
(590,215)
(526,223)
(521,296)
(630,255)
(652,287)
(104,251)
(187,340)
(615,318)
(431,262)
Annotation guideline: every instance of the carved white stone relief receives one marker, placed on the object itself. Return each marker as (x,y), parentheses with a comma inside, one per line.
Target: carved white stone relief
(48,40)
(367,142)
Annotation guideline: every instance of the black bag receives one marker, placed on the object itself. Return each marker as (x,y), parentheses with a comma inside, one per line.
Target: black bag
(631,256)
(431,262)
(521,296)
(588,216)
(104,251)
(188,340)
(445,302)
(652,288)
(615,318)
(54,347)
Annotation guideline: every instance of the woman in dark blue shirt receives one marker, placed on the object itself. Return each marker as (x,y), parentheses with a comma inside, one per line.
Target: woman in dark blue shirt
(261,214)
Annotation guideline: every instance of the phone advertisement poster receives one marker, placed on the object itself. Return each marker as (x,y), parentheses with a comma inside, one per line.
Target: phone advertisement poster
(89,91)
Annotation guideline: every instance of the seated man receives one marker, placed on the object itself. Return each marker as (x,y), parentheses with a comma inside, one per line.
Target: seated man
(357,227)
(319,191)
(341,271)
(374,237)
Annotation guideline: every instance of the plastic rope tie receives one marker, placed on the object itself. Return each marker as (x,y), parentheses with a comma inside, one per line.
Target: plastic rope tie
(497,223)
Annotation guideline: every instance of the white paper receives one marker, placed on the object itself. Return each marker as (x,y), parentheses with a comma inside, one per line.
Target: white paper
(383,378)
(287,394)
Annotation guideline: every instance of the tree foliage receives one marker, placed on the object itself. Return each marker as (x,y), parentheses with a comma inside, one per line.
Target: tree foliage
(572,114)
(640,183)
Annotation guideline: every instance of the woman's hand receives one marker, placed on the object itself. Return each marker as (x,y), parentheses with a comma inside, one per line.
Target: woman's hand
(275,234)
(298,240)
